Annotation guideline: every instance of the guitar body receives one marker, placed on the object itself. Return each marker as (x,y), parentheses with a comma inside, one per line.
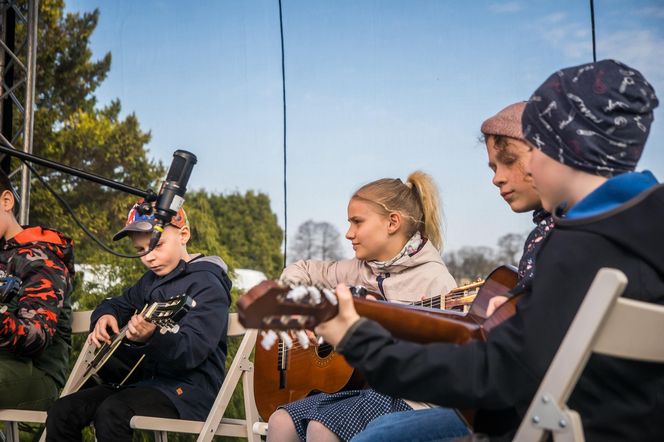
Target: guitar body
(120,368)
(286,375)
(499,282)
(304,371)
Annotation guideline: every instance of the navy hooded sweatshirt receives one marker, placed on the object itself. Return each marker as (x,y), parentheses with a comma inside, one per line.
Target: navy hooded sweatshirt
(188,366)
(620,226)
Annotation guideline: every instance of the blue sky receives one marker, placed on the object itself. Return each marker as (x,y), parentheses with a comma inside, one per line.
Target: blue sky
(375,89)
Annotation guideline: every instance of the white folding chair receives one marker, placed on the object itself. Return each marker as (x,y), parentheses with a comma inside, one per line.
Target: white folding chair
(605,324)
(216,424)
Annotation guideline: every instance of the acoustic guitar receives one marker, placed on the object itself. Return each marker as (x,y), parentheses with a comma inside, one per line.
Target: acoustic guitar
(285,373)
(110,365)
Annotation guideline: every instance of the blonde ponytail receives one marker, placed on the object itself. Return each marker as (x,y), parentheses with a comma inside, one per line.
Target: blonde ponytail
(427,194)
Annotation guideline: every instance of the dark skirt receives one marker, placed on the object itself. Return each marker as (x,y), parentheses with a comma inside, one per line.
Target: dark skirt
(345,413)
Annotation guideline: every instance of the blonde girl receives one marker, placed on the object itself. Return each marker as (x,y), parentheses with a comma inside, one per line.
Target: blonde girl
(395,230)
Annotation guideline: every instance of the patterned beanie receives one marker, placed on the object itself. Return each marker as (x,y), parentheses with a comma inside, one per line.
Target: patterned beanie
(594,117)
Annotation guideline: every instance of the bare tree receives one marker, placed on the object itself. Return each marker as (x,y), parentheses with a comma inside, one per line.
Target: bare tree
(510,247)
(316,240)
(470,263)
(330,245)
(304,246)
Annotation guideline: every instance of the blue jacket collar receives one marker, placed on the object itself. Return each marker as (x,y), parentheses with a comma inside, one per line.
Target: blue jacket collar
(612,193)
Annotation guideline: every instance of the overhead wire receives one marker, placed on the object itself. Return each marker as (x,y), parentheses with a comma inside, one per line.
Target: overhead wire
(283,99)
(592,25)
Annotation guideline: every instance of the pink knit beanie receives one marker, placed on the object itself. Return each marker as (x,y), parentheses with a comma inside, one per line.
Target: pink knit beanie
(507,122)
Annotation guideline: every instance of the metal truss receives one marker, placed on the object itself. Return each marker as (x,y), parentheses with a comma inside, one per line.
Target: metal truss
(18,63)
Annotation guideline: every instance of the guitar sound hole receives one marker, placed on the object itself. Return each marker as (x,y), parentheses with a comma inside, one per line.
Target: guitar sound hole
(324,350)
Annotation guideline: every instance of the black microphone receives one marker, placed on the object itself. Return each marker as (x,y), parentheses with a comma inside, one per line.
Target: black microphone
(171,194)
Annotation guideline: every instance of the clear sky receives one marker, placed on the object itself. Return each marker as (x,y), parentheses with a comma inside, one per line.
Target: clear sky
(375,88)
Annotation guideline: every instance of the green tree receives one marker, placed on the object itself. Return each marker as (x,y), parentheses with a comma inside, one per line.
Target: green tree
(72,129)
(249,230)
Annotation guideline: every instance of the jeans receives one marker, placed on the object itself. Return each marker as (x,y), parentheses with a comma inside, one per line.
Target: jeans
(428,425)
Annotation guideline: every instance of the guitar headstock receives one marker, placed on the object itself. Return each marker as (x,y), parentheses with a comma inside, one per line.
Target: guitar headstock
(272,305)
(167,314)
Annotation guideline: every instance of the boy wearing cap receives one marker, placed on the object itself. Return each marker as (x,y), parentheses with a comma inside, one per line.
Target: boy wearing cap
(588,125)
(35,324)
(181,372)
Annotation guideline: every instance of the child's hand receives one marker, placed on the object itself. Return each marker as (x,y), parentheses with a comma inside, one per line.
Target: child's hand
(139,330)
(494,303)
(335,329)
(100,335)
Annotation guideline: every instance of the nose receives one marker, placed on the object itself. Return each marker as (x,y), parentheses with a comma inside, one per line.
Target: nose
(350,233)
(149,257)
(499,178)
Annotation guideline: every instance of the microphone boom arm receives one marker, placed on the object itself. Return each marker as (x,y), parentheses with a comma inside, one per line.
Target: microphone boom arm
(149,194)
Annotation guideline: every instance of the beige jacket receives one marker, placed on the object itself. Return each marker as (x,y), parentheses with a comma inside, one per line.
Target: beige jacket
(412,277)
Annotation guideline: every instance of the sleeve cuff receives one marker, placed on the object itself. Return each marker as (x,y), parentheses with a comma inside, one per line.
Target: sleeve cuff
(347,337)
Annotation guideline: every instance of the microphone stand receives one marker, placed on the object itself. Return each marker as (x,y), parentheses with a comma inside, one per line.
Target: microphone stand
(149,195)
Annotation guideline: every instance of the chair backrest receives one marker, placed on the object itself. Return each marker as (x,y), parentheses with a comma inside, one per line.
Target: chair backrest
(234,326)
(607,324)
(80,322)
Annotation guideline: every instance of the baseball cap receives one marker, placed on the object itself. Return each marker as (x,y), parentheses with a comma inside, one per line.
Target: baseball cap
(141,222)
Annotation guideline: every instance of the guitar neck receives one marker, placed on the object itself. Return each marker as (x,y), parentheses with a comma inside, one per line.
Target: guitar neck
(432,302)
(420,324)
(273,306)
(460,296)
(106,350)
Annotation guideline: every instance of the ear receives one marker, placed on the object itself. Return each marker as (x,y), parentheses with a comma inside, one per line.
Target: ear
(394,222)
(184,235)
(7,201)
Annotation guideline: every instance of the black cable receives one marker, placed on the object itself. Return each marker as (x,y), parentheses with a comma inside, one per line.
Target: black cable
(283,89)
(80,224)
(592,23)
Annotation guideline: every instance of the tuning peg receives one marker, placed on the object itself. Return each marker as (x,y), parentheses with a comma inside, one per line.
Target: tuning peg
(303,338)
(297,293)
(269,338)
(288,342)
(315,294)
(331,297)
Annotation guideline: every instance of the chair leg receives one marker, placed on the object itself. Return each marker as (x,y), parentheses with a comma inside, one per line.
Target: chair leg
(10,432)
(250,410)
(160,436)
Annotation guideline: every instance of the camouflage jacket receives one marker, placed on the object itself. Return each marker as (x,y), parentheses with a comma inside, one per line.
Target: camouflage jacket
(37,323)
